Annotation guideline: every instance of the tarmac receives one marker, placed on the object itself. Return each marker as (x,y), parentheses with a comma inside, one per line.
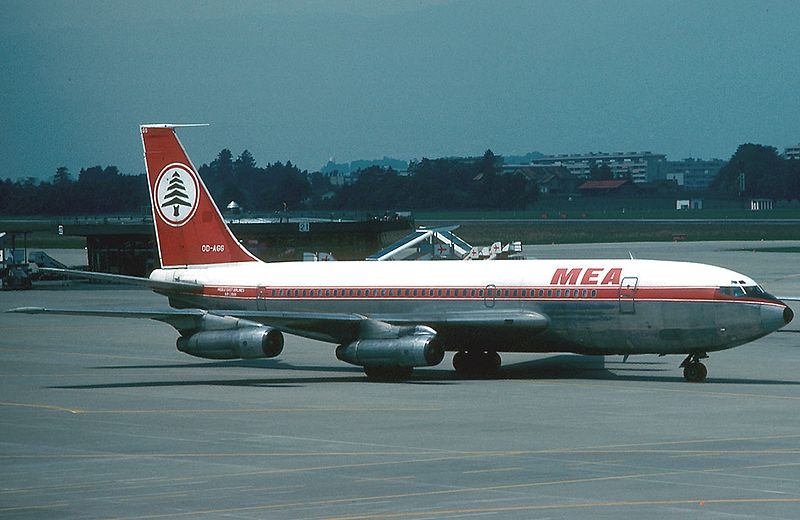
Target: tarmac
(104,418)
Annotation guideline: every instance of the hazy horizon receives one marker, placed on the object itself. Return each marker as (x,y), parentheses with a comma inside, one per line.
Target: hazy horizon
(306,81)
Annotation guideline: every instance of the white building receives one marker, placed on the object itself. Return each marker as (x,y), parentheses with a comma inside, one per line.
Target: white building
(694,174)
(638,166)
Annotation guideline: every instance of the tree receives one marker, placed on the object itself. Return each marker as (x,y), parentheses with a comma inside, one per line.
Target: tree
(756,171)
(600,172)
(62,176)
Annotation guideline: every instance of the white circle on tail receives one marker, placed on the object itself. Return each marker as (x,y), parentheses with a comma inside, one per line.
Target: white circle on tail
(175,194)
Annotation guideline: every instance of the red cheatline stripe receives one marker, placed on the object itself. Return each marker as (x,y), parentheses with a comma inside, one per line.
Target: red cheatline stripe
(543,293)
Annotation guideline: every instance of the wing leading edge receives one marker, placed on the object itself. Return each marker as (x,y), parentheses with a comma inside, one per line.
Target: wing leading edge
(330,327)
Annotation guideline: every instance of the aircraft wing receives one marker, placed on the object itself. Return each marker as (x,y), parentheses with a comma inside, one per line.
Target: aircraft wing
(322,326)
(183,319)
(127,280)
(331,327)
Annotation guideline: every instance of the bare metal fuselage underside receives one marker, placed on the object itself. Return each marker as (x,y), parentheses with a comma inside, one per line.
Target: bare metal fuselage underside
(586,326)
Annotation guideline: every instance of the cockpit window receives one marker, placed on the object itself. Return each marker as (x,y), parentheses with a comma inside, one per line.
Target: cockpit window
(753,290)
(744,290)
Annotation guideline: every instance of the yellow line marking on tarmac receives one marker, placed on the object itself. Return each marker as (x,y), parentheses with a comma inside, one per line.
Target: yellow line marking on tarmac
(587,505)
(690,441)
(495,470)
(473,490)
(44,407)
(25,508)
(637,448)
(765,466)
(289,454)
(695,390)
(311,409)
(451,456)
(387,479)
(409,495)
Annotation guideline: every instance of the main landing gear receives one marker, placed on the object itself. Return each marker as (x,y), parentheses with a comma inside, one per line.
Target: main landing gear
(693,370)
(476,362)
(388,374)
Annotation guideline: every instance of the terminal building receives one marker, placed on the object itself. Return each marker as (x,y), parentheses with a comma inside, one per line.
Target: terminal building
(637,166)
(128,246)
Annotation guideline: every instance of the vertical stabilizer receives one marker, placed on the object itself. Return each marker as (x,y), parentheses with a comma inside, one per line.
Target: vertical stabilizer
(189,227)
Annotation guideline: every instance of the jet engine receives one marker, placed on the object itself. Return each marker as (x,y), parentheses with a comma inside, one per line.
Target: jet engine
(403,352)
(245,343)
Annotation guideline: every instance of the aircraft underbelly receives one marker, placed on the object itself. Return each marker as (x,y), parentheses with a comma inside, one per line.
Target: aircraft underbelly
(656,327)
(585,326)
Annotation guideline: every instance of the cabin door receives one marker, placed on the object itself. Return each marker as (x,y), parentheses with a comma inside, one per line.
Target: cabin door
(627,295)
(261,295)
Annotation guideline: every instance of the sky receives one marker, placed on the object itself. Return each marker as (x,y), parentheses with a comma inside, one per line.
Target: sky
(309,80)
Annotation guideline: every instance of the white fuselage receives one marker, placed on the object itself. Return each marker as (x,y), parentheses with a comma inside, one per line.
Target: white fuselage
(593,306)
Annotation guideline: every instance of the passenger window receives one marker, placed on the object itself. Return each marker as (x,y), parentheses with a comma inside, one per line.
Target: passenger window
(549,293)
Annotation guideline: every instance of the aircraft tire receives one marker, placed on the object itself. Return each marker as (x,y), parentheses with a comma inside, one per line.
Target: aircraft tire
(476,362)
(493,360)
(388,374)
(695,372)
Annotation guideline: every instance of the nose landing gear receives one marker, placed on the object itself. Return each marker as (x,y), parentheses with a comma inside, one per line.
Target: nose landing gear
(693,370)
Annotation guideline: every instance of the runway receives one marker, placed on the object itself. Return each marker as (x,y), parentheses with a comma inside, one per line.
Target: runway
(103,418)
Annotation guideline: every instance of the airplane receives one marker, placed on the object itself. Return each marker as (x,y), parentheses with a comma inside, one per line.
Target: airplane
(391,317)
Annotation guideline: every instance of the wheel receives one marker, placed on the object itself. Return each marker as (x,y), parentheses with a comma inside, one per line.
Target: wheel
(703,372)
(460,361)
(492,360)
(467,362)
(388,373)
(695,372)
(476,362)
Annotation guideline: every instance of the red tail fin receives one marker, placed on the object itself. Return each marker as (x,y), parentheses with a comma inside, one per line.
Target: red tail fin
(189,227)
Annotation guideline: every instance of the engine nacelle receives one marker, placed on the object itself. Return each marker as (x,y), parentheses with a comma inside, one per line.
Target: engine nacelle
(247,343)
(420,350)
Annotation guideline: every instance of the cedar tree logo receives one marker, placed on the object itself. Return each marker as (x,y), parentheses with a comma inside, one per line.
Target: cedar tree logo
(176,193)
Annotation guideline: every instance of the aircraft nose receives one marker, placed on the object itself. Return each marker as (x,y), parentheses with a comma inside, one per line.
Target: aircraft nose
(774,317)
